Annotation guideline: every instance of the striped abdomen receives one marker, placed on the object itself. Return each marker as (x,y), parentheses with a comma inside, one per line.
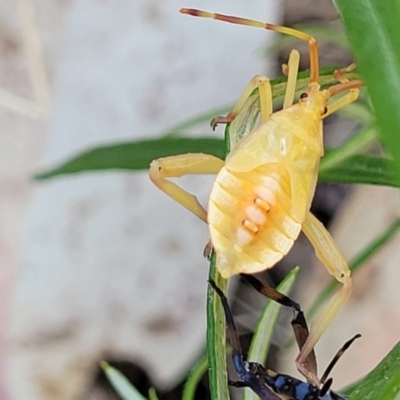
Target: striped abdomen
(249,218)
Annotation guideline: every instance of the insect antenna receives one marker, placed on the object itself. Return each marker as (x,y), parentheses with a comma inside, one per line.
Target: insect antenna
(337,357)
(312,44)
(327,385)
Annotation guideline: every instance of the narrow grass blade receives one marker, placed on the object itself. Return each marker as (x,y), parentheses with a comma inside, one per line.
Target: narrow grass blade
(135,155)
(355,145)
(265,327)
(383,382)
(216,340)
(122,386)
(193,380)
(361,168)
(373,31)
(153,394)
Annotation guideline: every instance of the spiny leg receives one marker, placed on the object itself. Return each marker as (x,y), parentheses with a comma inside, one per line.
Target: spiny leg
(313,47)
(177,166)
(265,94)
(329,254)
(292,71)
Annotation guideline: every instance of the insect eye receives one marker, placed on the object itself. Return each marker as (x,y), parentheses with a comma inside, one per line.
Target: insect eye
(325,110)
(303,95)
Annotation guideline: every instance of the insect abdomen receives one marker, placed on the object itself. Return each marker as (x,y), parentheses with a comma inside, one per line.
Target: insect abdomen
(249,218)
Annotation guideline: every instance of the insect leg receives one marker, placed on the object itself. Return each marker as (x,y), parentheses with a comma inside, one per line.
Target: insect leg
(299,323)
(312,44)
(338,74)
(329,254)
(177,166)
(237,354)
(293,68)
(271,293)
(352,95)
(301,334)
(238,384)
(265,94)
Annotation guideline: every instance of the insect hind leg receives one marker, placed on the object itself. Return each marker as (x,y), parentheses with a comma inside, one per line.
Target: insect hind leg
(328,253)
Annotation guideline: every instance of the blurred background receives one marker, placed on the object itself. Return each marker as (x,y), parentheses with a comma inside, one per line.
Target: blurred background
(95,266)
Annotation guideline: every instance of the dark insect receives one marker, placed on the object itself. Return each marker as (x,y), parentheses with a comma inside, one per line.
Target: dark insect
(270,385)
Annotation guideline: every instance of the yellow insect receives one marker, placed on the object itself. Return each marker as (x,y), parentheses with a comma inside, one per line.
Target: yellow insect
(261,197)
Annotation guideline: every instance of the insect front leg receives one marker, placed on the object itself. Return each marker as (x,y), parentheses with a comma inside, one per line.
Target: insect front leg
(265,94)
(329,254)
(180,165)
(349,97)
(292,69)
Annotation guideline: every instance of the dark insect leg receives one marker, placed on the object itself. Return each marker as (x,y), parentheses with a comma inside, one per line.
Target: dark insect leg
(253,375)
(237,354)
(271,293)
(238,384)
(301,333)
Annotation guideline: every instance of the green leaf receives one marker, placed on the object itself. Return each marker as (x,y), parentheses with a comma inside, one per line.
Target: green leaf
(193,380)
(383,382)
(373,31)
(265,327)
(153,394)
(136,155)
(361,168)
(344,168)
(355,145)
(216,340)
(122,386)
